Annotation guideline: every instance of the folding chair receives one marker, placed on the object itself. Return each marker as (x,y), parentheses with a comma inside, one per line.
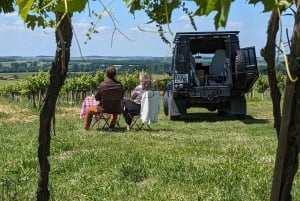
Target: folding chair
(136,120)
(111,104)
(150,105)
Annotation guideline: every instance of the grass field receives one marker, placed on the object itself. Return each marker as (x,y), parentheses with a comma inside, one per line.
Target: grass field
(203,157)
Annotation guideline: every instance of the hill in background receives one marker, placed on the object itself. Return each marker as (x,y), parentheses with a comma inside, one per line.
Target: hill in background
(15,64)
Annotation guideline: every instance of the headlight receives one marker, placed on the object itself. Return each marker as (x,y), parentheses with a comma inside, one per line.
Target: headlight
(181,78)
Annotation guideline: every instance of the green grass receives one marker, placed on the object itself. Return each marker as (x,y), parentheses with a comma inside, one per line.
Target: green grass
(203,157)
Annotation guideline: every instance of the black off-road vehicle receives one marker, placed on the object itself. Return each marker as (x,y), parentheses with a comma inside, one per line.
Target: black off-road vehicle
(209,70)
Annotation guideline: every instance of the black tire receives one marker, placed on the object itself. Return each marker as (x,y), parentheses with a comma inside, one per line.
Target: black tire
(222,112)
(240,116)
(165,103)
(240,70)
(174,118)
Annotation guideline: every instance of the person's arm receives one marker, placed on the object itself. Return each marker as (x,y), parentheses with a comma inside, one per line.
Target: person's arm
(133,96)
(98,94)
(135,92)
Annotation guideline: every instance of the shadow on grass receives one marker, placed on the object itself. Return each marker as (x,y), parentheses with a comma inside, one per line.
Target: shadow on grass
(214,117)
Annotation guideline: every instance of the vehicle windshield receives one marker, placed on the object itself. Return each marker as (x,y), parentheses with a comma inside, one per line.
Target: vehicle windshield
(204,59)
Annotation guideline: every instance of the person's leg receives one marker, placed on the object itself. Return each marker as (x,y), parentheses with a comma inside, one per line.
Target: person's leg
(113,120)
(135,110)
(127,117)
(93,110)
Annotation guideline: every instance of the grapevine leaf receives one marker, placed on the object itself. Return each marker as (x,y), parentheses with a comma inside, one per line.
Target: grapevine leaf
(72,6)
(32,21)
(222,15)
(24,7)
(126,2)
(6,7)
(133,6)
(205,7)
(222,8)
(270,5)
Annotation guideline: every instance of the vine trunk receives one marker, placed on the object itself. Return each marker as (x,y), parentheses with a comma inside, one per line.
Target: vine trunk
(58,73)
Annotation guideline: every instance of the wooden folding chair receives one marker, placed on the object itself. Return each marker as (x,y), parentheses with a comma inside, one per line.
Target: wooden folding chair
(111,104)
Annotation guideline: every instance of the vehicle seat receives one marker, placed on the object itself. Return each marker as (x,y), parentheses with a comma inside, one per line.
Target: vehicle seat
(218,61)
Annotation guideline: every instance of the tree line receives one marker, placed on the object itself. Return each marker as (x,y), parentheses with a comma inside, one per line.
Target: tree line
(153,65)
(88,64)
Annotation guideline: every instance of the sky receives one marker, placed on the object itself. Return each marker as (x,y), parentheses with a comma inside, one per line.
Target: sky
(17,40)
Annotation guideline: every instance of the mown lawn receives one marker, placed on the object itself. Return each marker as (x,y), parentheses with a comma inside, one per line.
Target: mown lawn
(202,157)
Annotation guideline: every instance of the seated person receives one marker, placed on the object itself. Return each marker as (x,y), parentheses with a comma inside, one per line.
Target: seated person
(133,106)
(109,84)
(87,102)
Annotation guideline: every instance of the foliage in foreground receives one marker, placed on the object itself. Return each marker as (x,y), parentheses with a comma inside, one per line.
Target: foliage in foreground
(202,157)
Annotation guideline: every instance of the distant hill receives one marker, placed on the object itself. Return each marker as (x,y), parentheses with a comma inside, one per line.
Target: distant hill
(9,64)
(12,64)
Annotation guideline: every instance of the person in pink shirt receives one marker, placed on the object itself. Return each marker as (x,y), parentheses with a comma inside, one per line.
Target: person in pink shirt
(87,102)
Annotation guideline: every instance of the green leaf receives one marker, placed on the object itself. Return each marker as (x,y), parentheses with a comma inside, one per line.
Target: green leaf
(72,6)
(32,21)
(133,6)
(285,3)
(6,6)
(205,7)
(222,16)
(222,8)
(24,7)
(270,5)
(127,2)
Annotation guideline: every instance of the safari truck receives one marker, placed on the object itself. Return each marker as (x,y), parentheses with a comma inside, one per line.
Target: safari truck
(209,70)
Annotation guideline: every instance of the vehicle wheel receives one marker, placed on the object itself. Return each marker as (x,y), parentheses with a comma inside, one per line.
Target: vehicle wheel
(174,118)
(238,107)
(222,112)
(240,116)
(240,70)
(165,103)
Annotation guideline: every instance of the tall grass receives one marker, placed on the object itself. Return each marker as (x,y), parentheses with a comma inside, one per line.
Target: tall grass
(202,157)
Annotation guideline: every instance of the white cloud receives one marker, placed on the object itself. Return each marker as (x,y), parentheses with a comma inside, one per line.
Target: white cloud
(235,25)
(134,29)
(11,22)
(8,15)
(82,23)
(102,29)
(183,18)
